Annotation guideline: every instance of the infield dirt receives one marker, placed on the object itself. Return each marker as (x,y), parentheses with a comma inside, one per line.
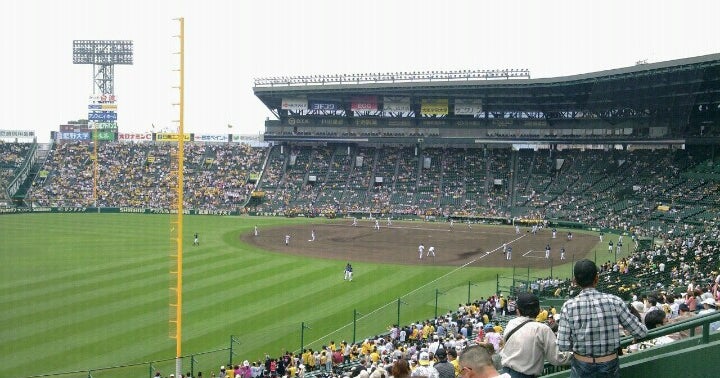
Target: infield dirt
(479,245)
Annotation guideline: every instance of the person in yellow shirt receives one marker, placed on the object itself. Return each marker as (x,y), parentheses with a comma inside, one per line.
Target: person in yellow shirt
(415,333)
(306,357)
(292,370)
(453,359)
(427,330)
(498,328)
(374,355)
(324,360)
(354,352)
(542,316)
(332,346)
(365,348)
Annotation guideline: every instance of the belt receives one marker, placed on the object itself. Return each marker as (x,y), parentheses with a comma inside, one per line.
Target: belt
(593,360)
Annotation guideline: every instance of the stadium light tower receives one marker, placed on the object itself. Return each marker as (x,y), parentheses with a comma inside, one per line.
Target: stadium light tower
(103,55)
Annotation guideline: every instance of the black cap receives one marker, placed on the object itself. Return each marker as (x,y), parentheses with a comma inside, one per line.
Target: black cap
(441,354)
(528,301)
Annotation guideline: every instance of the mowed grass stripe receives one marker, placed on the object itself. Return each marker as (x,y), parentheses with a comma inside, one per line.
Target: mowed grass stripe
(96,338)
(230,288)
(309,300)
(42,289)
(91,340)
(102,304)
(85,287)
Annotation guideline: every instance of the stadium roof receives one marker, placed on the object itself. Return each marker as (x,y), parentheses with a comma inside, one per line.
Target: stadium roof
(680,84)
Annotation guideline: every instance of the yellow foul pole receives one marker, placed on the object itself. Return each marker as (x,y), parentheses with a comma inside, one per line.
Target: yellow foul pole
(177,306)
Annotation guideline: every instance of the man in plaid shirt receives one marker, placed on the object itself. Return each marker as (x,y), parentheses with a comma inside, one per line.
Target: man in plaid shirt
(590,326)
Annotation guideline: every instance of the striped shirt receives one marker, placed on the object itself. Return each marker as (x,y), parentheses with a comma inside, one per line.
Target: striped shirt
(590,323)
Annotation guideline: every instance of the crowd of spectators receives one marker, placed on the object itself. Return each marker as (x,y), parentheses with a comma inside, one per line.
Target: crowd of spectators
(12,156)
(610,189)
(142,175)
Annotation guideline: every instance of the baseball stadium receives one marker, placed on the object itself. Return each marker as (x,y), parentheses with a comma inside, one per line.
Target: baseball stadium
(151,254)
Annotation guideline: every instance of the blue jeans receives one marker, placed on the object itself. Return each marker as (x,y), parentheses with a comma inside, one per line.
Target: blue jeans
(516,374)
(610,369)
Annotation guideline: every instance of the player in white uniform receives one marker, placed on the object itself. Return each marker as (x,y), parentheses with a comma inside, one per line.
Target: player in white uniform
(354,222)
(312,235)
(377,224)
(389,222)
(431,251)
(287,239)
(348,272)
(421,249)
(255,232)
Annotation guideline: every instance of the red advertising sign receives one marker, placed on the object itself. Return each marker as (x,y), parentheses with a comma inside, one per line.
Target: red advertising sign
(364,103)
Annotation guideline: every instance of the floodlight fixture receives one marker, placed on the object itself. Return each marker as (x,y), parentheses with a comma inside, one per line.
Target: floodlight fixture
(103,55)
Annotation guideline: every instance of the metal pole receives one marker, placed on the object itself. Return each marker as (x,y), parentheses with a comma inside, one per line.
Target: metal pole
(528,280)
(398,312)
(468,300)
(354,324)
(302,336)
(192,365)
(231,351)
(436,301)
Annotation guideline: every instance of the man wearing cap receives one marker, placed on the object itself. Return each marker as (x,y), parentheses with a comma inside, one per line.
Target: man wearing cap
(425,369)
(445,369)
(708,306)
(529,343)
(684,313)
(590,326)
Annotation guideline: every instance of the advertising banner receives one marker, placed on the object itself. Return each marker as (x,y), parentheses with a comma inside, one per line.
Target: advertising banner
(171,137)
(364,103)
(17,134)
(74,136)
(102,125)
(294,103)
(434,106)
(219,138)
(105,135)
(324,105)
(396,104)
(102,116)
(102,98)
(468,107)
(95,107)
(135,137)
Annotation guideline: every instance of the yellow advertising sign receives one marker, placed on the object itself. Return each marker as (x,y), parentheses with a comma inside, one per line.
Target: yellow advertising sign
(435,106)
(171,137)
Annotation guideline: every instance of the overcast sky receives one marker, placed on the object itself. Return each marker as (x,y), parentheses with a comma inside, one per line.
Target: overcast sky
(228,43)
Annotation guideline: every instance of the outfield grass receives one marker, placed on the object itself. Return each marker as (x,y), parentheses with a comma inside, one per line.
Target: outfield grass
(84,291)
